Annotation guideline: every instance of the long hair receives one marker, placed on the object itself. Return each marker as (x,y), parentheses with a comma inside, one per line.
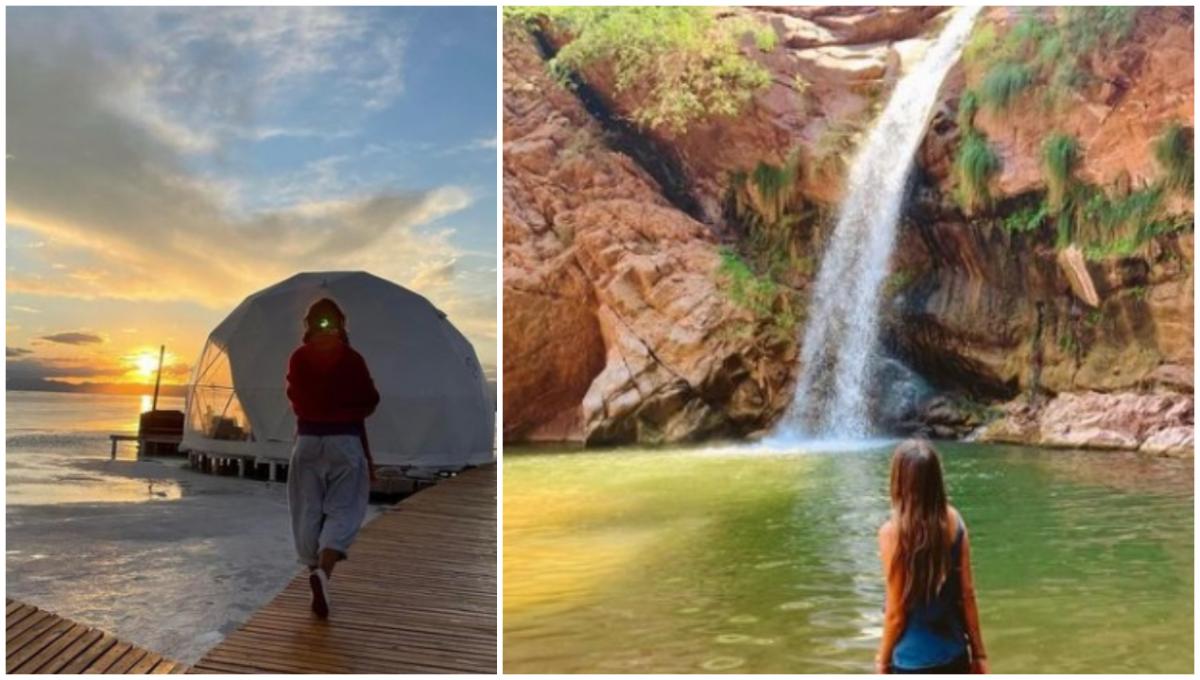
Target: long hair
(920,513)
(328,311)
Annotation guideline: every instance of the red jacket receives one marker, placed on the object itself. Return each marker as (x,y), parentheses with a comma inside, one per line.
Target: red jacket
(328,382)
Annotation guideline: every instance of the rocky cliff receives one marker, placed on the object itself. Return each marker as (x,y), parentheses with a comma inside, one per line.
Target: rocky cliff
(615,327)
(992,310)
(625,321)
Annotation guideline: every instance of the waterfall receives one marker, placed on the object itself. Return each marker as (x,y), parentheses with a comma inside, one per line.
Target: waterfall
(840,337)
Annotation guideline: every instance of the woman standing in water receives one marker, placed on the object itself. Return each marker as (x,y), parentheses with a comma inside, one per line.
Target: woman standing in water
(931,622)
(329,479)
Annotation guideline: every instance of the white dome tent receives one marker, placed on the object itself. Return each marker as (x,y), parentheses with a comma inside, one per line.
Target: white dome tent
(435,412)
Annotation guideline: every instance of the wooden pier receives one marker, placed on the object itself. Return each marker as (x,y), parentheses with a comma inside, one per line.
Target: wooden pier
(37,641)
(418,595)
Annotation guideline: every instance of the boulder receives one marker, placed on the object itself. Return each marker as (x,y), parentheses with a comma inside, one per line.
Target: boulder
(1159,423)
(1176,442)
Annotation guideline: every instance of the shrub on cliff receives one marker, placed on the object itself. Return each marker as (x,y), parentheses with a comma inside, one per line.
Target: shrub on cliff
(681,63)
(767,199)
(758,294)
(1060,156)
(1114,222)
(974,166)
(1175,152)
(968,106)
(1046,48)
(1003,83)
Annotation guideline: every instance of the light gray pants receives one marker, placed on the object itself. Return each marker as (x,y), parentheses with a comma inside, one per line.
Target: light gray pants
(328,488)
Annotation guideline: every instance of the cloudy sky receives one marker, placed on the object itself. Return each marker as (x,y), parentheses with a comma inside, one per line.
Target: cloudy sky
(165,163)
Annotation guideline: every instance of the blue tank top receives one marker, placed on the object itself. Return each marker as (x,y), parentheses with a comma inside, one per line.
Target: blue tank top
(934,632)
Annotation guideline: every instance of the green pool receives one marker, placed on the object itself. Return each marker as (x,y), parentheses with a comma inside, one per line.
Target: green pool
(736,560)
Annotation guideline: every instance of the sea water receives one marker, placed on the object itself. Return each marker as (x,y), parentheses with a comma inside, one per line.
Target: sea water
(156,554)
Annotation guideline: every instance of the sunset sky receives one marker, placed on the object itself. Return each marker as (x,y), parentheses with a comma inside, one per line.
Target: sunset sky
(165,163)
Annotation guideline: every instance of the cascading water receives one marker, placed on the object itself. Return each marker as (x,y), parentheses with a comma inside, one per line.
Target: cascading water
(841,334)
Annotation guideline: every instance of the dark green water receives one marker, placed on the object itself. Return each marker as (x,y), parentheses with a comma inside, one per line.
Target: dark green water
(709,561)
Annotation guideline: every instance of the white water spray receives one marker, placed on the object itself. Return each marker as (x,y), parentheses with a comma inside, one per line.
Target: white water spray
(843,321)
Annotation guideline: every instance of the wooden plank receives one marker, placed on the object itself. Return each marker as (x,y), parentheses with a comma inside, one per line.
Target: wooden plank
(418,595)
(143,667)
(24,650)
(163,667)
(51,651)
(76,648)
(30,635)
(126,661)
(18,615)
(41,642)
(86,658)
(107,659)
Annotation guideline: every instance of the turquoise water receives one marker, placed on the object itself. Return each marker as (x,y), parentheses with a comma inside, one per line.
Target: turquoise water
(747,561)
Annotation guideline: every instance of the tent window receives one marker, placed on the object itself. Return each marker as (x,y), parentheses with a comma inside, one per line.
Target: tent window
(214,409)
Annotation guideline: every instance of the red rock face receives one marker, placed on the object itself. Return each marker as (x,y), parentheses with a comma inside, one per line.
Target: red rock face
(616,329)
(1146,84)
(830,71)
(970,316)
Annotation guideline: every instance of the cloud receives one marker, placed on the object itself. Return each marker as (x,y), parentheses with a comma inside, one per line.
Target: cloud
(146,225)
(49,369)
(433,273)
(128,133)
(74,338)
(11,352)
(483,144)
(200,79)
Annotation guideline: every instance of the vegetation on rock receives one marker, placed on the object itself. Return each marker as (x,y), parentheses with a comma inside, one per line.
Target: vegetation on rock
(1060,156)
(685,65)
(767,200)
(1003,83)
(1176,155)
(1047,48)
(1108,223)
(1026,219)
(974,165)
(968,106)
(759,294)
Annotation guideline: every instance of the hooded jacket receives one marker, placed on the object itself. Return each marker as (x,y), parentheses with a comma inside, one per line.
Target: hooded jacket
(330,388)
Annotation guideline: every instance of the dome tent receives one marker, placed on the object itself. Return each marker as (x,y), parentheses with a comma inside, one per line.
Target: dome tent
(434,411)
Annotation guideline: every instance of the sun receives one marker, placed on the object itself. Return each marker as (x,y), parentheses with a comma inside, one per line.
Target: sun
(146,364)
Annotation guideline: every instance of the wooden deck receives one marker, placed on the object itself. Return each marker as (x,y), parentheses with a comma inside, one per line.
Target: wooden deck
(418,595)
(37,641)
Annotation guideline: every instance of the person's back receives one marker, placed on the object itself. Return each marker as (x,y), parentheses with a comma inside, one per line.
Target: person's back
(934,631)
(931,621)
(329,478)
(328,383)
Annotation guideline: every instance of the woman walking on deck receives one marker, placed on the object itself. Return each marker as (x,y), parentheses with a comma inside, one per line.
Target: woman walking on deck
(329,479)
(931,621)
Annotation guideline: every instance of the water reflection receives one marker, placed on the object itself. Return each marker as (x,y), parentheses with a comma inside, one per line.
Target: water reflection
(58,451)
(94,490)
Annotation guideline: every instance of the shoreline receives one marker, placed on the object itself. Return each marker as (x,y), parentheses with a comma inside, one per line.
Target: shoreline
(174,570)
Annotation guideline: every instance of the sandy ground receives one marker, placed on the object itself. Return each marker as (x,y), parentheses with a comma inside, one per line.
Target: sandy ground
(167,558)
